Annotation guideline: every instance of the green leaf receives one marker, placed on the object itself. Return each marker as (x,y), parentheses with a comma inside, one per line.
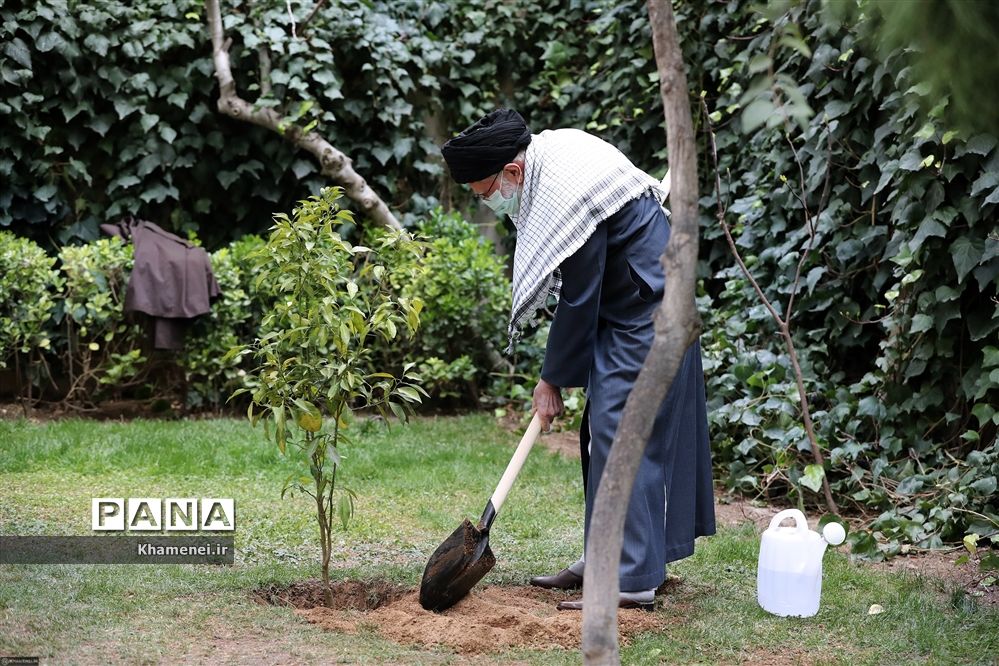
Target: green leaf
(966,253)
(985,487)
(921,323)
(382,154)
(97,43)
(970,543)
(757,113)
(345,509)
(398,410)
(149,121)
(981,144)
(759,63)
(812,478)
(983,412)
(927,228)
(48,41)
(409,393)
(18,51)
(100,123)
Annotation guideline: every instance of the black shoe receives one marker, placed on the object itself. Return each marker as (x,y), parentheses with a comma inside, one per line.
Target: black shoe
(623,603)
(563,580)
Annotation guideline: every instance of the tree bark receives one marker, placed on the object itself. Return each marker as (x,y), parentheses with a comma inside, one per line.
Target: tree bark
(334,164)
(677,325)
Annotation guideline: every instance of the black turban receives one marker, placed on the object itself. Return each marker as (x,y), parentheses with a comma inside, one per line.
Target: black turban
(487,146)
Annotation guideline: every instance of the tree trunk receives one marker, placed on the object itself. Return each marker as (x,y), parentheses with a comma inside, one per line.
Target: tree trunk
(334,164)
(676,326)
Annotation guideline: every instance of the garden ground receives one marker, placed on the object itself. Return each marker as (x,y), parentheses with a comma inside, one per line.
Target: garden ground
(415,484)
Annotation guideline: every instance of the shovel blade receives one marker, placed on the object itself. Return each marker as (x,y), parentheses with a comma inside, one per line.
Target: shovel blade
(455,567)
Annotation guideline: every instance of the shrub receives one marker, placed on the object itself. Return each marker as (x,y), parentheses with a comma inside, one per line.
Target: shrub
(467,293)
(234,319)
(26,304)
(99,346)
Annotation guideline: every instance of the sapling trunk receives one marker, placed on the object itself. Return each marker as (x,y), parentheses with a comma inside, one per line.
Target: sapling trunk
(324,513)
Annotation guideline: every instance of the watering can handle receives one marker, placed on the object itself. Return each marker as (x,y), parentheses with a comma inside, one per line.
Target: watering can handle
(799,519)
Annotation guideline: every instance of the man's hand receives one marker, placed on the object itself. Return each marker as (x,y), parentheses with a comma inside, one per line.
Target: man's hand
(547,403)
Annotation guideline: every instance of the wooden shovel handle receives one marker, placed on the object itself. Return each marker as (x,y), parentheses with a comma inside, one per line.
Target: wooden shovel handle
(513,469)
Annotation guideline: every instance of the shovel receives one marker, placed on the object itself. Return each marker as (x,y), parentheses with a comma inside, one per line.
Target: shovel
(465,557)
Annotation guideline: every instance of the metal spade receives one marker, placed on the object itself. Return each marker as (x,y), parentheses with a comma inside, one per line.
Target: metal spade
(465,557)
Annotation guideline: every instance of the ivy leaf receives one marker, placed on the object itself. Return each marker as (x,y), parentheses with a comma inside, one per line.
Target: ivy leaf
(97,43)
(757,113)
(123,107)
(148,163)
(382,154)
(966,252)
(19,52)
(46,192)
(302,168)
(983,412)
(812,478)
(49,41)
(927,228)
(981,144)
(911,161)
(985,487)
(148,121)
(921,323)
(988,179)
(100,124)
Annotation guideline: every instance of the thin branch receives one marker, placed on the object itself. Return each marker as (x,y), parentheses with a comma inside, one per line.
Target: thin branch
(264,54)
(782,324)
(788,313)
(291,15)
(304,24)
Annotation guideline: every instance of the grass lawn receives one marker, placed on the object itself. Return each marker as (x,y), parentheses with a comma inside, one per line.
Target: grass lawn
(415,483)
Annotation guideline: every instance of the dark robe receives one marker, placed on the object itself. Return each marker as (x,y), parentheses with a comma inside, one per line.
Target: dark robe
(599,338)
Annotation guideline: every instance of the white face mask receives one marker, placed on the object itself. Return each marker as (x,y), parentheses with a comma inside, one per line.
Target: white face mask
(503,205)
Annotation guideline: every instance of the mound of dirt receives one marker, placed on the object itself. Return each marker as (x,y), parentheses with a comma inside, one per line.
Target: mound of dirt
(490,619)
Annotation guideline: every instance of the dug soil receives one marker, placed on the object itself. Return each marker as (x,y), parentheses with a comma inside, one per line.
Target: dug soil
(492,618)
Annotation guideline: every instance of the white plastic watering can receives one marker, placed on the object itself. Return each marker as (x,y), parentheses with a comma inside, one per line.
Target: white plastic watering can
(789,575)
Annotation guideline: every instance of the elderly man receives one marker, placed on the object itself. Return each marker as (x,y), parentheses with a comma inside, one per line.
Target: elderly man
(590,231)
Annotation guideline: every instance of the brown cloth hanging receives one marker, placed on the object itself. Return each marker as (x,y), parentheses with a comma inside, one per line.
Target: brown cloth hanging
(171,281)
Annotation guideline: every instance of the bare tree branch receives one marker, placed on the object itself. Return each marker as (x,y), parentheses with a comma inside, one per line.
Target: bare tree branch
(783,324)
(334,164)
(264,55)
(677,325)
(304,24)
(291,15)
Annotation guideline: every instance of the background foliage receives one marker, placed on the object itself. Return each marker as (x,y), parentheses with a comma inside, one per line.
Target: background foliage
(819,121)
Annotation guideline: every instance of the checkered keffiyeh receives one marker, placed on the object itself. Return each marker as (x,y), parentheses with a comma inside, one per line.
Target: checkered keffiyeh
(572,182)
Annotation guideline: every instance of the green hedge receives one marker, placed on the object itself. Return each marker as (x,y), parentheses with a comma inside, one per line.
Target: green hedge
(70,319)
(26,283)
